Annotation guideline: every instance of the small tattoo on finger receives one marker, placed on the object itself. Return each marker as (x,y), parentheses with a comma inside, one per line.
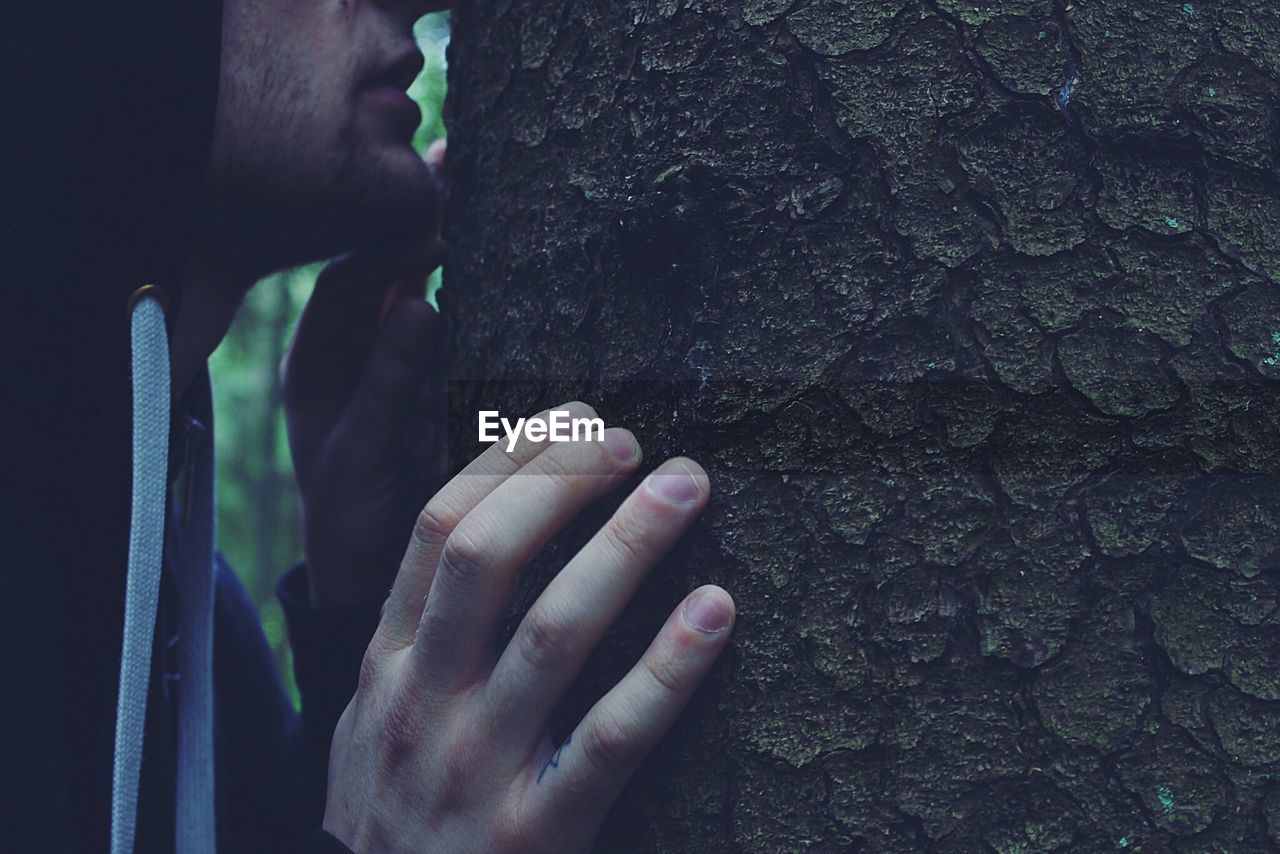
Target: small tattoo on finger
(554,761)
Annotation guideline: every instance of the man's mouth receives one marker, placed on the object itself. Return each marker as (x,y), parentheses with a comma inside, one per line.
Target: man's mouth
(388,87)
(400,73)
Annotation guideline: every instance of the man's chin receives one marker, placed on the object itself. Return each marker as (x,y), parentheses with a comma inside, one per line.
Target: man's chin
(401,196)
(387,193)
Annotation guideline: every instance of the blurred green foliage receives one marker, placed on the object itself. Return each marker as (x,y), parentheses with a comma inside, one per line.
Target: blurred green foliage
(259,524)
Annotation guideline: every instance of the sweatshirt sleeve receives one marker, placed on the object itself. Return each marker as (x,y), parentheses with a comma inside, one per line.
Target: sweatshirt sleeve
(324,843)
(328,646)
(273,762)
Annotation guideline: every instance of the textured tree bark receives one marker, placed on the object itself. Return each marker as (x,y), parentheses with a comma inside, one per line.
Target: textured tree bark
(972,311)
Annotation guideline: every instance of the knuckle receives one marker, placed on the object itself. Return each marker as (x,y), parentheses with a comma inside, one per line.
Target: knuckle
(400,742)
(669,676)
(628,539)
(609,744)
(545,640)
(434,524)
(461,560)
(457,767)
(398,735)
(370,670)
(464,747)
(378,659)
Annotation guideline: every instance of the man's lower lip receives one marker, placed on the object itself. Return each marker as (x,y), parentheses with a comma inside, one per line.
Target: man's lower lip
(396,99)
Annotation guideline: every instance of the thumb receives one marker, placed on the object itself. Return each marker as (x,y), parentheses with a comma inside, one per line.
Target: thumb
(372,426)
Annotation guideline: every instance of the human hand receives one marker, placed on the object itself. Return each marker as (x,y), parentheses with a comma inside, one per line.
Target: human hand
(443,749)
(360,382)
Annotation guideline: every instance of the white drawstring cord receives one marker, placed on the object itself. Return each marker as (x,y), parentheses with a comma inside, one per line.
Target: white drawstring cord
(194,826)
(150,359)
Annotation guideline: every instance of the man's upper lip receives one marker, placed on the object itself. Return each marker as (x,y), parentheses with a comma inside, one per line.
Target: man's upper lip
(401,73)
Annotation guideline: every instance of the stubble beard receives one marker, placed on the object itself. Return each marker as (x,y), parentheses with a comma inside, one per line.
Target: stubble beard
(280,215)
(379,195)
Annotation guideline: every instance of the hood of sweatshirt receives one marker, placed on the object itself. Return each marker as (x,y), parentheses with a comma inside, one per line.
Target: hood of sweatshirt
(109,111)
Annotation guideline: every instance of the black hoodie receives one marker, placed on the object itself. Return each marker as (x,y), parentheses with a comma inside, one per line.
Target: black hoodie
(108,114)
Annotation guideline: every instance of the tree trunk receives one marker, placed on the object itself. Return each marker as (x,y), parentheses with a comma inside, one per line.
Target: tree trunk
(970,310)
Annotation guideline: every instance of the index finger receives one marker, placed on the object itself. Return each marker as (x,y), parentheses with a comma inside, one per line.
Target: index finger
(442,514)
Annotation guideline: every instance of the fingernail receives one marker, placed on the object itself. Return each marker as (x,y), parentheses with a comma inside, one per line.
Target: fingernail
(676,483)
(708,612)
(621,444)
